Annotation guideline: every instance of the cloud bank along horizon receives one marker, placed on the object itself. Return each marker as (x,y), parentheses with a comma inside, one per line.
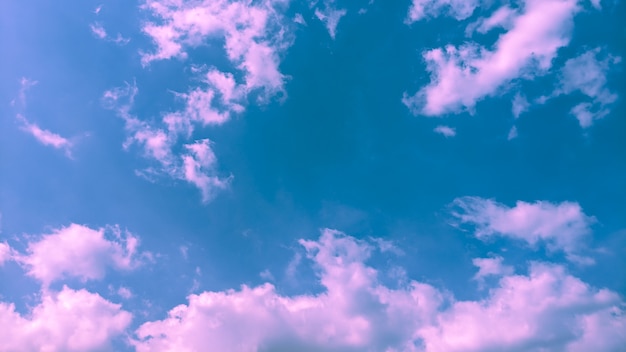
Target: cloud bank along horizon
(424,175)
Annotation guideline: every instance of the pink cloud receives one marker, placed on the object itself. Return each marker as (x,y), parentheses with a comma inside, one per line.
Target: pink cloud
(548,308)
(68,320)
(461,76)
(81,252)
(46,137)
(561,226)
(459,9)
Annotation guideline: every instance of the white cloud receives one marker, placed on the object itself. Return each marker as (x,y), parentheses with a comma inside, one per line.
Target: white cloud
(587,74)
(46,137)
(491,267)
(459,9)
(81,252)
(547,309)
(68,320)
(446,131)
(461,76)
(330,16)
(561,226)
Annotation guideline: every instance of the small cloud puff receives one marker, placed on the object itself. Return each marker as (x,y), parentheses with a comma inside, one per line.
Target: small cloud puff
(445,131)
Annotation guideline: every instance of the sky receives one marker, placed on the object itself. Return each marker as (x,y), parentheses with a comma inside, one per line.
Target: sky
(315,175)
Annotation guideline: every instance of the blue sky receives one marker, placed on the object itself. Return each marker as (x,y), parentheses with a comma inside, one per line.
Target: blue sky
(313,175)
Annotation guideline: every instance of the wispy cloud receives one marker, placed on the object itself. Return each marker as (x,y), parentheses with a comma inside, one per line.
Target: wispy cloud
(46,137)
(98,30)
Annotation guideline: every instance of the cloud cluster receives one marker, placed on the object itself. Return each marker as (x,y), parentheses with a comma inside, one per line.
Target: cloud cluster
(69,319)
(254,37)
(587,74)
(193,162)
(463,75)
(545,309)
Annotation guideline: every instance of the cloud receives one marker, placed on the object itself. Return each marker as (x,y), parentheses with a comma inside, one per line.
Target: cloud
(330,16)
(80,252)
(519,105)
(461,76)
(445,131)
(195,162)
(68,320)
(198,164)
(5,252)
(512,133)
(561,226)
(254,35)
(98,30)
(491,267)
(500,18)
(459,9)
(546,309)
(354,312)
(25,85)
(46,137)
(586,74)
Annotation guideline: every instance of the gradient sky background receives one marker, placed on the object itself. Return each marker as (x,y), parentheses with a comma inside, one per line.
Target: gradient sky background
(438,175)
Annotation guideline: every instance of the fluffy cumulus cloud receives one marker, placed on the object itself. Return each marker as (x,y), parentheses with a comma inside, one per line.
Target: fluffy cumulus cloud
(562,226)
(545,309)
(463,75)
(80,252)
(68,320)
